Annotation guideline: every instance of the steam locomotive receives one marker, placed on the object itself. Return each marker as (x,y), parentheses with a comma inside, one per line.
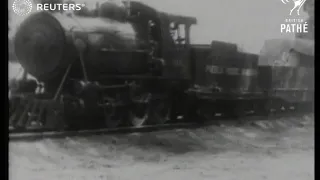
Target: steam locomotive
(133,65)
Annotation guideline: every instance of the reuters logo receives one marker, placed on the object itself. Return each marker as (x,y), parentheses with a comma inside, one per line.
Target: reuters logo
(22,7)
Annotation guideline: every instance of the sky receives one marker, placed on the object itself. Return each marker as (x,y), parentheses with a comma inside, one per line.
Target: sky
(245,22)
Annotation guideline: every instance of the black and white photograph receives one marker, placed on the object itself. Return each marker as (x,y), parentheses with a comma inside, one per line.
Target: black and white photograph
(161,90)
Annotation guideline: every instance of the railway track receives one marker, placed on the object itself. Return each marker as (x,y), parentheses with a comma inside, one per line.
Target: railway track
(38,134)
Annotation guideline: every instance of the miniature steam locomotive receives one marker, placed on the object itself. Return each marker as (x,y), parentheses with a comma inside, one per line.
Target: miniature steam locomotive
(133,66)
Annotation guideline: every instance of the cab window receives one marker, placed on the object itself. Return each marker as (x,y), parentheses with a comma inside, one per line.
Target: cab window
(178,34)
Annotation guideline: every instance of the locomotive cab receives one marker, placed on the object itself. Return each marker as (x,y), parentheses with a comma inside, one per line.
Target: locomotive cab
(168,37)
(176,45)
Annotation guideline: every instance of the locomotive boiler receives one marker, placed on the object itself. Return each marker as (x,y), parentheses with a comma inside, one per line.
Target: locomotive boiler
(46,44)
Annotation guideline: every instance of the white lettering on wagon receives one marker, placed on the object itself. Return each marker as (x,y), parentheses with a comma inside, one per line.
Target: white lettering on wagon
(230,71)
(213,69)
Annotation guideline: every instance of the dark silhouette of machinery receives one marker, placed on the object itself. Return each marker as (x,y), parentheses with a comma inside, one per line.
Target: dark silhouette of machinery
(115,66)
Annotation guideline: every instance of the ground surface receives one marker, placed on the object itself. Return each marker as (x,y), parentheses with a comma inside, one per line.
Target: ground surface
(248,152)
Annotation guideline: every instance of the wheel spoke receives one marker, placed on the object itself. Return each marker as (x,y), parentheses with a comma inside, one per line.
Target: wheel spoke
(114,117)
(137,121)
(160,111)
(139,114)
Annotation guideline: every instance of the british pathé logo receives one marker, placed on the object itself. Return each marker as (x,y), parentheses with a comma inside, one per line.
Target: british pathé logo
(22,7)
(294,25)
(297,5)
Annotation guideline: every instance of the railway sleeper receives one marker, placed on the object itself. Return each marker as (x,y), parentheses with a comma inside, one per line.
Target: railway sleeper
(27,113)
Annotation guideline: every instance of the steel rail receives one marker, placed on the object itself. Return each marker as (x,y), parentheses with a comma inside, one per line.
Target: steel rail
(39,134)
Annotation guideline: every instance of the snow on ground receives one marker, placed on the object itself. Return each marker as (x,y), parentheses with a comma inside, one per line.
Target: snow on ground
(283,149)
